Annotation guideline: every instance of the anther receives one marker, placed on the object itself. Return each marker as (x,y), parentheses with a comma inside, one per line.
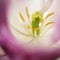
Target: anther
(21,16)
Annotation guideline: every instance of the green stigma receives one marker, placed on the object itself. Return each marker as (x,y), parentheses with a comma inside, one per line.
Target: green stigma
(37,18)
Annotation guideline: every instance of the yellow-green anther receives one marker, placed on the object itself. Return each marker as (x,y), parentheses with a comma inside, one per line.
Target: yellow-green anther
(37,18)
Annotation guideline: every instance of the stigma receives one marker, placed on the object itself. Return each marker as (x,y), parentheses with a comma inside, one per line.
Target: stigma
(37,18)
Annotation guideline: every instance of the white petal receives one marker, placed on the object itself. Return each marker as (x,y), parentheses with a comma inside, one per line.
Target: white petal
(46,6)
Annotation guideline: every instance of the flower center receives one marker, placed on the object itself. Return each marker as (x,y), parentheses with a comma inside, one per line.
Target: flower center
(37,19)
(35,27)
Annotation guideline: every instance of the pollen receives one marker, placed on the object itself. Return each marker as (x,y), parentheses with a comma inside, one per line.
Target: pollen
(37,29)
(39,15)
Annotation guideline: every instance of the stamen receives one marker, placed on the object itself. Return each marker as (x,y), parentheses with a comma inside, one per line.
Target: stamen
(27,12)
(49,23)
(21,16)
(28,26)
(21,32)
(50,14)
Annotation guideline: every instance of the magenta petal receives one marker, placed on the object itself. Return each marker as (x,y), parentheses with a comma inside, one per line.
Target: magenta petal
(15,50)
(4,58)
(56,35)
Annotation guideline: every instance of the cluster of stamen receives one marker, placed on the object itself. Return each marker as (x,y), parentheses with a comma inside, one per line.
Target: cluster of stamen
(37,19)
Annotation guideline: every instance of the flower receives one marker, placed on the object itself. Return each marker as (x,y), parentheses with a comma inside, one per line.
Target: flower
(15,49)
(32,21)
